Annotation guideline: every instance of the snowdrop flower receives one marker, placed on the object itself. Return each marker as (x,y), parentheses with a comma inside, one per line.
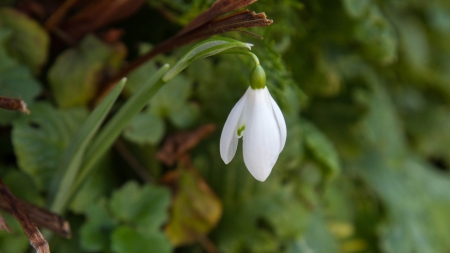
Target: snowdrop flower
(257,118)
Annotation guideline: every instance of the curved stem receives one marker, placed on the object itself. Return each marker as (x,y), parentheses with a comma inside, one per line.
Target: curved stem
(244,52)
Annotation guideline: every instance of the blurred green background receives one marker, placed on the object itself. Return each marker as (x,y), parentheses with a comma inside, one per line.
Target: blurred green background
(364,86)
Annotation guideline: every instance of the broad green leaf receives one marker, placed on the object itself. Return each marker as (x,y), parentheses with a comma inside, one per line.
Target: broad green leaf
(185,116)
(170,102)
(40,139)
(29,42)
(356,8)
(321,150)
(145,128)
(16,241)
(77,71)
(378,36)
(171,97)
(95,233)
(16,80)
(23,187)
(414,43)
(427,127)
(317,239)
(126,240)
(411,191)
(131,218)
(417,208)
(145,206)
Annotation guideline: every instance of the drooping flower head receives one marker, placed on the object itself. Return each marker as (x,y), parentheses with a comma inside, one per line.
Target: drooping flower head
(257,118)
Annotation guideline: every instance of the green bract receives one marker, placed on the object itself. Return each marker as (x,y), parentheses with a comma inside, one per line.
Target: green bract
(204,49)
(258,78)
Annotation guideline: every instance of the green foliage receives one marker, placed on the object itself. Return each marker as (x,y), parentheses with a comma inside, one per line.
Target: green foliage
(171,103)
(41,138)
(16,80)
(145,128)
(363,86)
(29,42)
(77,71)
(15,242)
(128,222)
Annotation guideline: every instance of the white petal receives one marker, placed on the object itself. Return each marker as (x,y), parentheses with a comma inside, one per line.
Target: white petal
(262,136)
(280,121)
(229,139)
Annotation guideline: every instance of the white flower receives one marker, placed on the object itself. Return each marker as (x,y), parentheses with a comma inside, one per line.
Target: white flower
(257,118)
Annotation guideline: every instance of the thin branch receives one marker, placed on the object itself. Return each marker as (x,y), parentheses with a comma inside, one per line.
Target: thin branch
(132,161)
(29,228)
(208,245)
(64,36)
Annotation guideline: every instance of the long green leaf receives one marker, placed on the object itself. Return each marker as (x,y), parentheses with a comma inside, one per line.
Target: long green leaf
(71,160)
(105,139)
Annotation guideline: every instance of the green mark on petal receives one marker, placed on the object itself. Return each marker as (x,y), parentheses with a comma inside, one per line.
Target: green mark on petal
(240,130)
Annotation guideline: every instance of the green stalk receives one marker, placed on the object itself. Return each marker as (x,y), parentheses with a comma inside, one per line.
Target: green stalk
(108,135)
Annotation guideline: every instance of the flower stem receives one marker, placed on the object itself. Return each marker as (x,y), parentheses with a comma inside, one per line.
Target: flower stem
(244,52)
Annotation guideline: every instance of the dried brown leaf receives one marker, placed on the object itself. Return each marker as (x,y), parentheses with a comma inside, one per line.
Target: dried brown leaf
(219,8)
(42,217)
(13,104)
(97,14)
(233,22)
(29,228)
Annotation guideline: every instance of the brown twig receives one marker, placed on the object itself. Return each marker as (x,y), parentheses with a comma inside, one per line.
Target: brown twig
(42,218)
(205,25)
(132,161)
(64,36)
(208,245)
(13,104)
(54,20)
(29,228)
